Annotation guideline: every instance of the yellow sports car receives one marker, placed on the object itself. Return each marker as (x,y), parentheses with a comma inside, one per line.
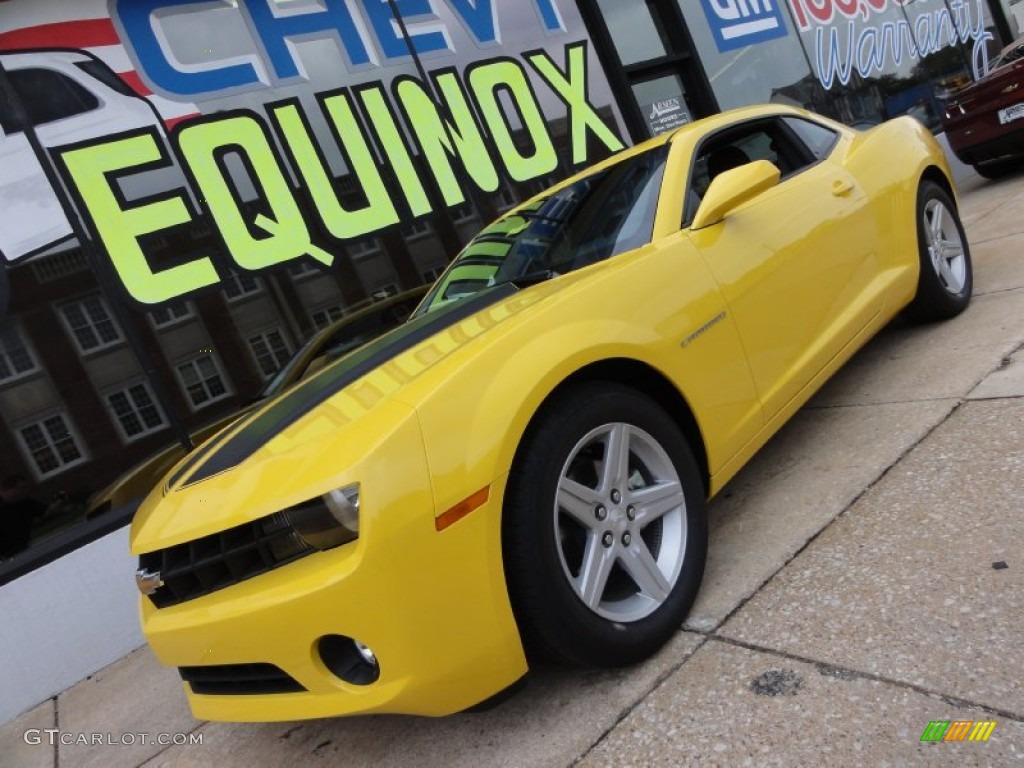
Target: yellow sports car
(521,470)
(330,343)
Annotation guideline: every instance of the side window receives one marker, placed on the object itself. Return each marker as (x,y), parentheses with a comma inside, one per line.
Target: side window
(769,140)
(819,139)
(49,96)
(8,122)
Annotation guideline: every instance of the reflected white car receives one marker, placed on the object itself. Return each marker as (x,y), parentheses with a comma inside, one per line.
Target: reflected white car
(69,97)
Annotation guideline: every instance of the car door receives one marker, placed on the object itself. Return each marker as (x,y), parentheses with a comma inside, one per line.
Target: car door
(798,264)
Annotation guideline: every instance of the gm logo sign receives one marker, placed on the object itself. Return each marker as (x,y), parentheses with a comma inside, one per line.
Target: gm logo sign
(738,23)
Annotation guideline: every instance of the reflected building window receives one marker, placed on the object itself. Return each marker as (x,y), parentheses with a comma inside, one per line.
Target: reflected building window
(202,380)
(430,275)
(416,230)
(90,324)
(270,351)
(135,411)
(363,249)
(324,317)
(51,445)
(240,284)
(171,314)
(302,269)
(16,359)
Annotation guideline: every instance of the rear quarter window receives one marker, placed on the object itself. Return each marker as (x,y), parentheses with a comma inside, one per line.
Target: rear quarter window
(819,139)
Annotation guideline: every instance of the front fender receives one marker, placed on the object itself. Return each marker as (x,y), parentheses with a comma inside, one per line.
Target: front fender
(658,306)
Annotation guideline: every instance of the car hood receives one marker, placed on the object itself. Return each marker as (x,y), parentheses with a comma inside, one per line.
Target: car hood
(203,494)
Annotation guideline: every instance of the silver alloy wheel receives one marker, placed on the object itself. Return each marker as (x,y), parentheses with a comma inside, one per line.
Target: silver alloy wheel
(945,247)
(620,522)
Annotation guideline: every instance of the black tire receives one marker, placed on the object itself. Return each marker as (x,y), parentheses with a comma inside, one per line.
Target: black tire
(998,169)
(947,277)
(538,541)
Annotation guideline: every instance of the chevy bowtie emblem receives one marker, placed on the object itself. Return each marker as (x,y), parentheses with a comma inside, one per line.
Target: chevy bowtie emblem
(148,582)
(1011,88)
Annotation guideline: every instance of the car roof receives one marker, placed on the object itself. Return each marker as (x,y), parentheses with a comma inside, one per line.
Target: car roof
(691,132)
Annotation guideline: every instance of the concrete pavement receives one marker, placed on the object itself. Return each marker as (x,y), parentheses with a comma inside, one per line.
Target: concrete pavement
(866,577)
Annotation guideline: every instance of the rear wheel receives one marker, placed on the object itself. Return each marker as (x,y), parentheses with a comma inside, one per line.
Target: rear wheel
(946,278)
(605,530)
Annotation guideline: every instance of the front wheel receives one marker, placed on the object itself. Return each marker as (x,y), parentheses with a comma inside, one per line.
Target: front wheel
(946,279)
(605,529)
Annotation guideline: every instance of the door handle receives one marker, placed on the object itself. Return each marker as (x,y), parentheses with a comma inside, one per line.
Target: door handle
(842,187)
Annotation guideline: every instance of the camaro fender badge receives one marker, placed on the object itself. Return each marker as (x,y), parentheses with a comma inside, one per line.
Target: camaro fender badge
(703,329)
(147,581)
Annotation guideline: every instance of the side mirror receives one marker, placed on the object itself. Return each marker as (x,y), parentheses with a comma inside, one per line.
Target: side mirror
(731,189)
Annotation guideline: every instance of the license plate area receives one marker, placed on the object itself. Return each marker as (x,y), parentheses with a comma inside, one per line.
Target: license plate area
(1008,115)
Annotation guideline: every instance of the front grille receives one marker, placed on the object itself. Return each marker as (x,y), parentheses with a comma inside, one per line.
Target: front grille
(235,679)
(213,562)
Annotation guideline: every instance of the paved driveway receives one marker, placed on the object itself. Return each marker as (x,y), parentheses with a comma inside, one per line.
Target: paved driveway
(866,577)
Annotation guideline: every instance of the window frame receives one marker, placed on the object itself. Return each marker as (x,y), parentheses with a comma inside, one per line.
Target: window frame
(16,376)
(740,128)
(190,313)
(193,360)
(235,279)
(264,337)
(326,311)
(29,456)
(103,345)
(124,388)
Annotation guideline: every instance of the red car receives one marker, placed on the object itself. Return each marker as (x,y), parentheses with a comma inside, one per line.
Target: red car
(985,120)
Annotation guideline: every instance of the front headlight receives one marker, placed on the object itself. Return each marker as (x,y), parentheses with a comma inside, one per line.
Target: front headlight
(329,520)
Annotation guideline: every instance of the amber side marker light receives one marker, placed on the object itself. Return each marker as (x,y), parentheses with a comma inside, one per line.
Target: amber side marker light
(462,509)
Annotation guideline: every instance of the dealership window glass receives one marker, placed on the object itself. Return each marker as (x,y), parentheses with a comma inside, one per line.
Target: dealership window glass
(770,69)
(135,411)
(49,96)
(51,445)
(662,101)
(193,353)
(90,324)
(15,358)
(636,29)
(898,59)
(1014,12)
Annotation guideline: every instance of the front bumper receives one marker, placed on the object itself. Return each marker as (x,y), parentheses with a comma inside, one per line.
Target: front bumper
(432,606)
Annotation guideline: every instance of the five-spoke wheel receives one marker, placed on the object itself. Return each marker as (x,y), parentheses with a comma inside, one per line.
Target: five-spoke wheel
(604,532)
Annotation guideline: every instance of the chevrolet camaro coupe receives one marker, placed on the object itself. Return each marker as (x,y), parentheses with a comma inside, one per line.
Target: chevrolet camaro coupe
(520,471)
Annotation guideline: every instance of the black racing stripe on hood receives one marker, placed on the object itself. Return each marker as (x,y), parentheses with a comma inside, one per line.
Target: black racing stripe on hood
(303,398)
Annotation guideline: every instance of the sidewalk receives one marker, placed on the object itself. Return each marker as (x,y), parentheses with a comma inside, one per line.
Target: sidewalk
(866,577)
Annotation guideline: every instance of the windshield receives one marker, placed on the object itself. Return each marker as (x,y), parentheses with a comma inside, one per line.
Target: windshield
(597,217)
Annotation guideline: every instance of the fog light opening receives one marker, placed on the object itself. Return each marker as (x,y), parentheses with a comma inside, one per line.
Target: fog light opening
(349,659)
